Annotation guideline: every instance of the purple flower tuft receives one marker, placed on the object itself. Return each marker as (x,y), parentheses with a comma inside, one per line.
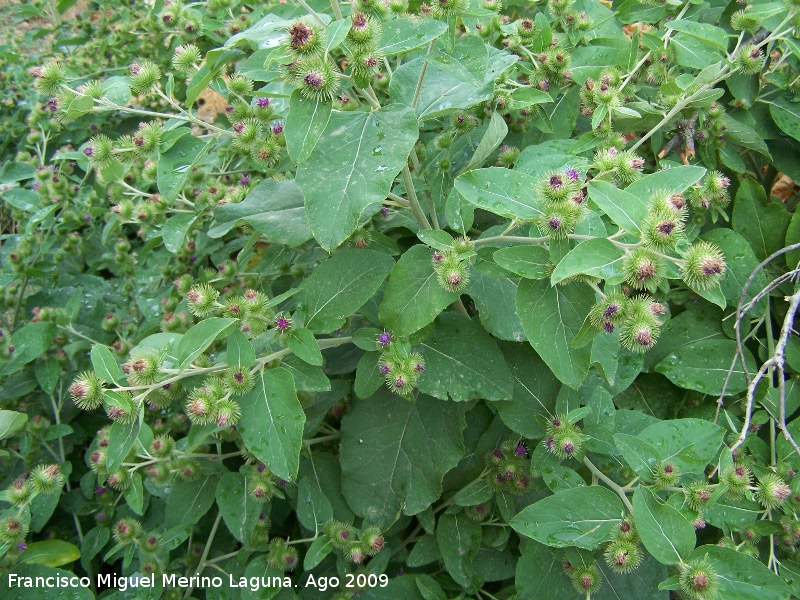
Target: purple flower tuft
(385,338)
(556,183)
(262,102)
(314,80)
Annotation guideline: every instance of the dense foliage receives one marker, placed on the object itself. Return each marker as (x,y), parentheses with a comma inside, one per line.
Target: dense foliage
(462,300)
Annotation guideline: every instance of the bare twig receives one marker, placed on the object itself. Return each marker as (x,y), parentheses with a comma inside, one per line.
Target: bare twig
(777,361)
(742,309)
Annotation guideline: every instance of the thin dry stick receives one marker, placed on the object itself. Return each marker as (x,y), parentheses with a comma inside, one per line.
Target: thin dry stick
(777,360)
(780,362)
(740,312)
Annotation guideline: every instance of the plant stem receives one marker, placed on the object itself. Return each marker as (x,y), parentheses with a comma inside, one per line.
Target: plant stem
(303,541)
(18,303)
(398,199)
(182,374)
(106,105)
(322,439)
(370,98)
(432,210)
(610,483)
(459,307)
(202,564)
(544,239)
(337,11)
(221,558)
(422,76)
(413,200)
(312,12)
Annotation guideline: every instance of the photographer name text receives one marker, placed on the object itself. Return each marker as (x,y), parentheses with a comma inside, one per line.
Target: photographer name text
(253,584)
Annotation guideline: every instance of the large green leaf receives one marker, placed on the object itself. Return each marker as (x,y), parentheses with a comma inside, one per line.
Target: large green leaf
(352,167)
(622,207)
(174,230)
(459,541)
(394,453)
(704,365)
(273,208)
(11,422)
(304,346)
(30,341)
(641,583)
(463,362)
(786,115)
(694,52)
(582,516)
(189,501)
(589,61)
(403,35)
(413,296)
(665,532)
(240,352)
(741,262)
(492,138)
(313,508)
(530,262)
(195,341)
(52,553)
(535,391)
(551,318)
(640,455)
(121,439)
(495,299)
(739,513)
(597,258)
(538,160)
(134,494)
(265,33)
(272,422)
(453,81)
(305,123)
(340,286)
(93,542)
(317,551)
(540,574)
(687,328)
(675,180)
(502,191)
(762,224)
(174,166)
(689,444)
(105,365)
(712,35)
(744,135)
(239,509)
(742,577)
